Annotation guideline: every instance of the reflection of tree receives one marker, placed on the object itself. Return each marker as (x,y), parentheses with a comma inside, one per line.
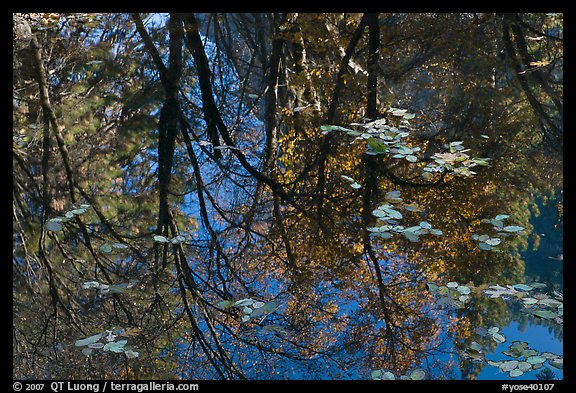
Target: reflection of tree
(207,126)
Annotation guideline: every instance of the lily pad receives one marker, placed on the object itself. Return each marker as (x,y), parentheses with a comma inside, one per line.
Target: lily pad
(131,354)
(88,340)
(244,302)
(513,228)
(417,375)
(557,363)
(524,366)
(515,373)
(463,289)
(535,359)
(54,226)
(509,365)
(115,346)
(522,287)
(546,314)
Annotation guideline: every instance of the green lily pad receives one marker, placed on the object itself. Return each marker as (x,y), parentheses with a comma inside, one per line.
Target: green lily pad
(88,340)
(53,226)
(522,287)
(463,289)
(417,375)
(499,338)
(546,314)
(535,359)
(160,239)
(524,366)
(515,373)
(557,363)
(452,284)
(115,346)
(106,248)
(513,228)
(131,354)
(244,302)
(508,365)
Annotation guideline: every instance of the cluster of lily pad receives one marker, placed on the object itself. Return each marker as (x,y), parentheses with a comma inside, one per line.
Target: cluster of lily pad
(489,243)
(452,293)
(386,375)
(107,342)
(104,289)
(525,359)
(541,305)
(383,138)
(388,213)
(251,308)
(55,224)
(455,160)
(175,240)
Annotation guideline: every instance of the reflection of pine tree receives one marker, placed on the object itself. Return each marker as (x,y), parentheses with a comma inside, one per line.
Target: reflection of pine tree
(546,374)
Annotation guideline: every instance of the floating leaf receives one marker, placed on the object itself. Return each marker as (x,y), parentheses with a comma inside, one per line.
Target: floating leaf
(91,284)
(87,351)
(96,345)
(54,226)
(131,354)
(119,245)
(160,239)
(119,288)
(376,374)
(475,346)
(509,365)
(493,330)
(78,212)
(106,248)
(484,246)
(493,241)
(546,314)
(425,224)
(524,366)
(178,239)
(529,301)
(522,287)
(535,359)
(88,340)
(498,338)
(557,363)
(355,185)
(452,284)
(513,228)
(245,318)
(437,232)
(411,158)
(115,346)
(269,307)
(417,375)
(515,373)
(464,290)
(244,302)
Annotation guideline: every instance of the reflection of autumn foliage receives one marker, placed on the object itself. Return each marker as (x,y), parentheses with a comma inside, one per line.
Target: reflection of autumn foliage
(261,197)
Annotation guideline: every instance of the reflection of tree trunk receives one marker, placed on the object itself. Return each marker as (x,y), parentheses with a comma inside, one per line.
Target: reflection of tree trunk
(214,122)
(549,129)
(331,114)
